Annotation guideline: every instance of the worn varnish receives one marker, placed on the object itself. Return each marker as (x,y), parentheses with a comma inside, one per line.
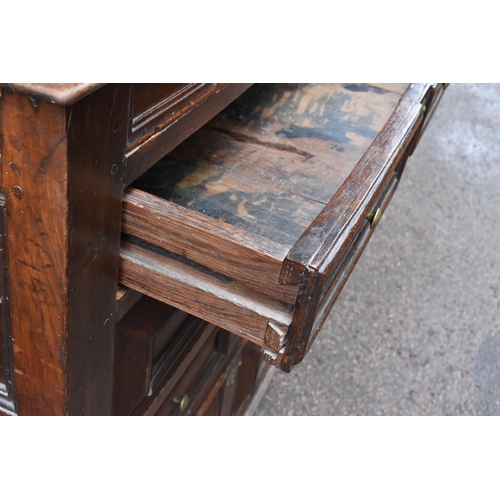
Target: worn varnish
(397,88)
(68,150)
(167,115)
(256,227)
(57,93)
(293,139)
(154,106)
(295,167)
(63,179)
(247,185)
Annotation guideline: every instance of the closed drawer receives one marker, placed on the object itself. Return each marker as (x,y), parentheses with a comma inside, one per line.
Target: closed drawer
(200,383)
(149,333)
(255,222)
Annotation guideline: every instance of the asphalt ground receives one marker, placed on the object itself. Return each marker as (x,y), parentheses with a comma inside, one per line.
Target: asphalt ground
(416,329)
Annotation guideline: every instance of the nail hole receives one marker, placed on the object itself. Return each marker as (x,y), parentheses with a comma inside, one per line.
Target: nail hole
(17,190)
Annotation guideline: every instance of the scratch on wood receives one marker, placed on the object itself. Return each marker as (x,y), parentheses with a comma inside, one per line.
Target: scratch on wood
(27,265)
(41,168)
(112,107)
(252,140)
(45,401)
(69,120)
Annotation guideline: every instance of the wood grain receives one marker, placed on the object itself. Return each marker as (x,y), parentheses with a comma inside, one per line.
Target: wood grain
(188,344)
(263,144)
(7,395)
(126,298)
(302,139)
(260,209)
(95,189)
(320,250)
(145,333)
(316,246)
(201,292)
(167,138)
(34,165)
(56,93)
(154,106)
(243,175)
(63,181)
(205,240)
(64,169)
(397,88)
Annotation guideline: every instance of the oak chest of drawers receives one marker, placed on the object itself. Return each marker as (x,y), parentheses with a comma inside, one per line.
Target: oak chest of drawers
(163,245)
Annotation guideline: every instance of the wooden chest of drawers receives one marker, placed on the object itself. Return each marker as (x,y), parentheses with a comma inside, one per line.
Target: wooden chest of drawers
(232,248)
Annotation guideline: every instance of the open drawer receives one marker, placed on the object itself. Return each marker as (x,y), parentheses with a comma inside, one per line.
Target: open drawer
(255,222)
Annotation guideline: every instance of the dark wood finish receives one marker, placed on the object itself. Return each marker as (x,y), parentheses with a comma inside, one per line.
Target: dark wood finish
(126,298)
(95,188)
(183,354)
(62,255)
(141,339)
(216,196)
(243,380)
(56,93)
(199,377)
(211,242)
(65,165)
(344,216)
(7,401)
(201,292)
(208,381)
(256,184)
(37,236)
(168,137)
(264,378)
(155,106)
(206,234)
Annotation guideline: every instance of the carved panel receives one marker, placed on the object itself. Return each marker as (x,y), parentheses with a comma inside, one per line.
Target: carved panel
(154,106)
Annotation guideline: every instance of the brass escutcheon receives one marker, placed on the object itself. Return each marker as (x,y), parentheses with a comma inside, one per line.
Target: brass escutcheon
(374,217)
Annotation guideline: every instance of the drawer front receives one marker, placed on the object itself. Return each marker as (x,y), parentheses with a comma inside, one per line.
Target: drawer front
(182,245)
(217,383)
(144,334)
(198,378)
(206,386)
(158,348)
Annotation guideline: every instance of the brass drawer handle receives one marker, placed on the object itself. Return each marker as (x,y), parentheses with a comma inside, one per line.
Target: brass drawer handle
(374,217)
(183,403)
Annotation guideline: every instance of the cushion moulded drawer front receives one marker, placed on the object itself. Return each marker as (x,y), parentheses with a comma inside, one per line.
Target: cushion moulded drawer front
(255,222)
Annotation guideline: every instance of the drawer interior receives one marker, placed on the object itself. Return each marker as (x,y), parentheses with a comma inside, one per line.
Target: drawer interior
(267,165)
(245,221)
